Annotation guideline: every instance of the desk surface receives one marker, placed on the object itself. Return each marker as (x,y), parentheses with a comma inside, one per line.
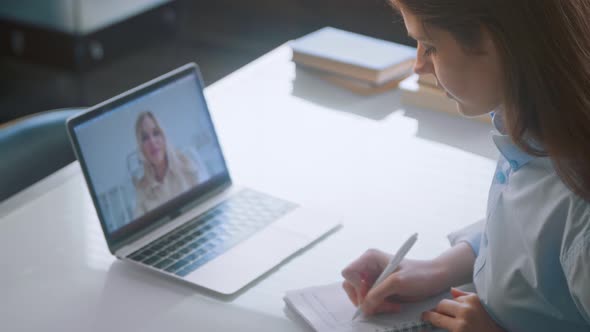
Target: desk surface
(385,169)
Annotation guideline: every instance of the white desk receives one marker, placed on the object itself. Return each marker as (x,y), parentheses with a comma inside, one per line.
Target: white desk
(386,170)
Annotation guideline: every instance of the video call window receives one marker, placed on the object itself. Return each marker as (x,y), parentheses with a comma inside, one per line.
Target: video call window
(147,152)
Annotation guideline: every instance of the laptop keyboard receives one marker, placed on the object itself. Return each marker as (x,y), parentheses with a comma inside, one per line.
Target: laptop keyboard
(210,234)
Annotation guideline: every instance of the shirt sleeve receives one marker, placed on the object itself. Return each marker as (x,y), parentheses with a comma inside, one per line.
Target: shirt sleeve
(470,234)
(576,265)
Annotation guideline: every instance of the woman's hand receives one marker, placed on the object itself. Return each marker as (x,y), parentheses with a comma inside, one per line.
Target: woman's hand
(413,281)
(462,313)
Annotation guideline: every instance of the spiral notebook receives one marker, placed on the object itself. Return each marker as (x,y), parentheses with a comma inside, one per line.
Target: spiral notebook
(328,309)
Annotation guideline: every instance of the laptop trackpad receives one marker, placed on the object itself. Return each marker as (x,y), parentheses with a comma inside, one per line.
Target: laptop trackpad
(248,260)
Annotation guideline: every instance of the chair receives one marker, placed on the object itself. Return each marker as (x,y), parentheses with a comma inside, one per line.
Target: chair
(32,148)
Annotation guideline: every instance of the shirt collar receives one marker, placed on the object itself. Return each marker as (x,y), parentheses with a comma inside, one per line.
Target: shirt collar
(513,154)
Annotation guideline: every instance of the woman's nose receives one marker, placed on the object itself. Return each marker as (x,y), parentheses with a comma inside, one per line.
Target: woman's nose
(423,65)
(152,140)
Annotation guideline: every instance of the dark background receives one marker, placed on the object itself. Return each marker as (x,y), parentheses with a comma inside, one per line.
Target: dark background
(220,35)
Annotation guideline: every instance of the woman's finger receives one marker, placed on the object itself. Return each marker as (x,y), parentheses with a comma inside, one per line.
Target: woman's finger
(387,307)
(364,289)
(455,292)
(461,296)
(351,292)
(370,263)
(378,294)
(449,307)
(440,320)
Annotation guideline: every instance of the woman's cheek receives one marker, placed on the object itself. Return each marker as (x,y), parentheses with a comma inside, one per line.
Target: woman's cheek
(455,89)
(448,79)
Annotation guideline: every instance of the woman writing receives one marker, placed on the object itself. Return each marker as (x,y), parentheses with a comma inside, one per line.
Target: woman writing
(167,172)
(528,62)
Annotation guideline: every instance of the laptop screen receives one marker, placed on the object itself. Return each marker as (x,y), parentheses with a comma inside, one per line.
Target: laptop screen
(142,153)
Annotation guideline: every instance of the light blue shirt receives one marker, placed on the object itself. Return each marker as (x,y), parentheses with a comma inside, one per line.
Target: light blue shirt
(532,271)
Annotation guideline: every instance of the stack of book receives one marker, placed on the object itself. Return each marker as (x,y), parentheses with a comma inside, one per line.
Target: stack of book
(423,91)
(362,64)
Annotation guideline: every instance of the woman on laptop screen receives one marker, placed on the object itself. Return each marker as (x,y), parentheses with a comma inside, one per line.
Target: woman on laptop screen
(167,172)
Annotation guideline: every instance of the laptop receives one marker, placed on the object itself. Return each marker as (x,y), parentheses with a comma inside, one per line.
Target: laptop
(164,196)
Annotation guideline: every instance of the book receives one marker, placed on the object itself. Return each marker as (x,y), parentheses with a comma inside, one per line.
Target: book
(328,309)
(357,86)
(426,96)
(354,55)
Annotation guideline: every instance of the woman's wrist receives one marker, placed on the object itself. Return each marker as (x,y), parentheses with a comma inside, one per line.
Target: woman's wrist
(441,275)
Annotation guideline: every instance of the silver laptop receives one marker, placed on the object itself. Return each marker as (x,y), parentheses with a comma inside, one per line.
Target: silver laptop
(165,198)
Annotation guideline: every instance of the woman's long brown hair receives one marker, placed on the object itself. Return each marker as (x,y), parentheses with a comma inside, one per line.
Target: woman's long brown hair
(545,49)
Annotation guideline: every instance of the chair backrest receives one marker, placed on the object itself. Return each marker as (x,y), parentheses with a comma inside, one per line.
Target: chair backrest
(32,148)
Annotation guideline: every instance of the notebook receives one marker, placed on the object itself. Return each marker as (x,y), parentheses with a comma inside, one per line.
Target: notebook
(353,55)
(328,309)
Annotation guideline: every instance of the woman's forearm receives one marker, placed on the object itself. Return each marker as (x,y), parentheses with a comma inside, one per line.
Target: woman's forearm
(456,265)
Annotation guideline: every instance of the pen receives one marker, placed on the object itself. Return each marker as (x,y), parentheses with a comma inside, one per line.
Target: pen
(393,264)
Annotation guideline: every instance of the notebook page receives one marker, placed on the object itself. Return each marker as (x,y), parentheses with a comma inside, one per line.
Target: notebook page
(328,309)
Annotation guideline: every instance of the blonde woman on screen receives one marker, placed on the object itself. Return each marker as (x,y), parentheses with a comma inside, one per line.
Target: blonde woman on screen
(167,172)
